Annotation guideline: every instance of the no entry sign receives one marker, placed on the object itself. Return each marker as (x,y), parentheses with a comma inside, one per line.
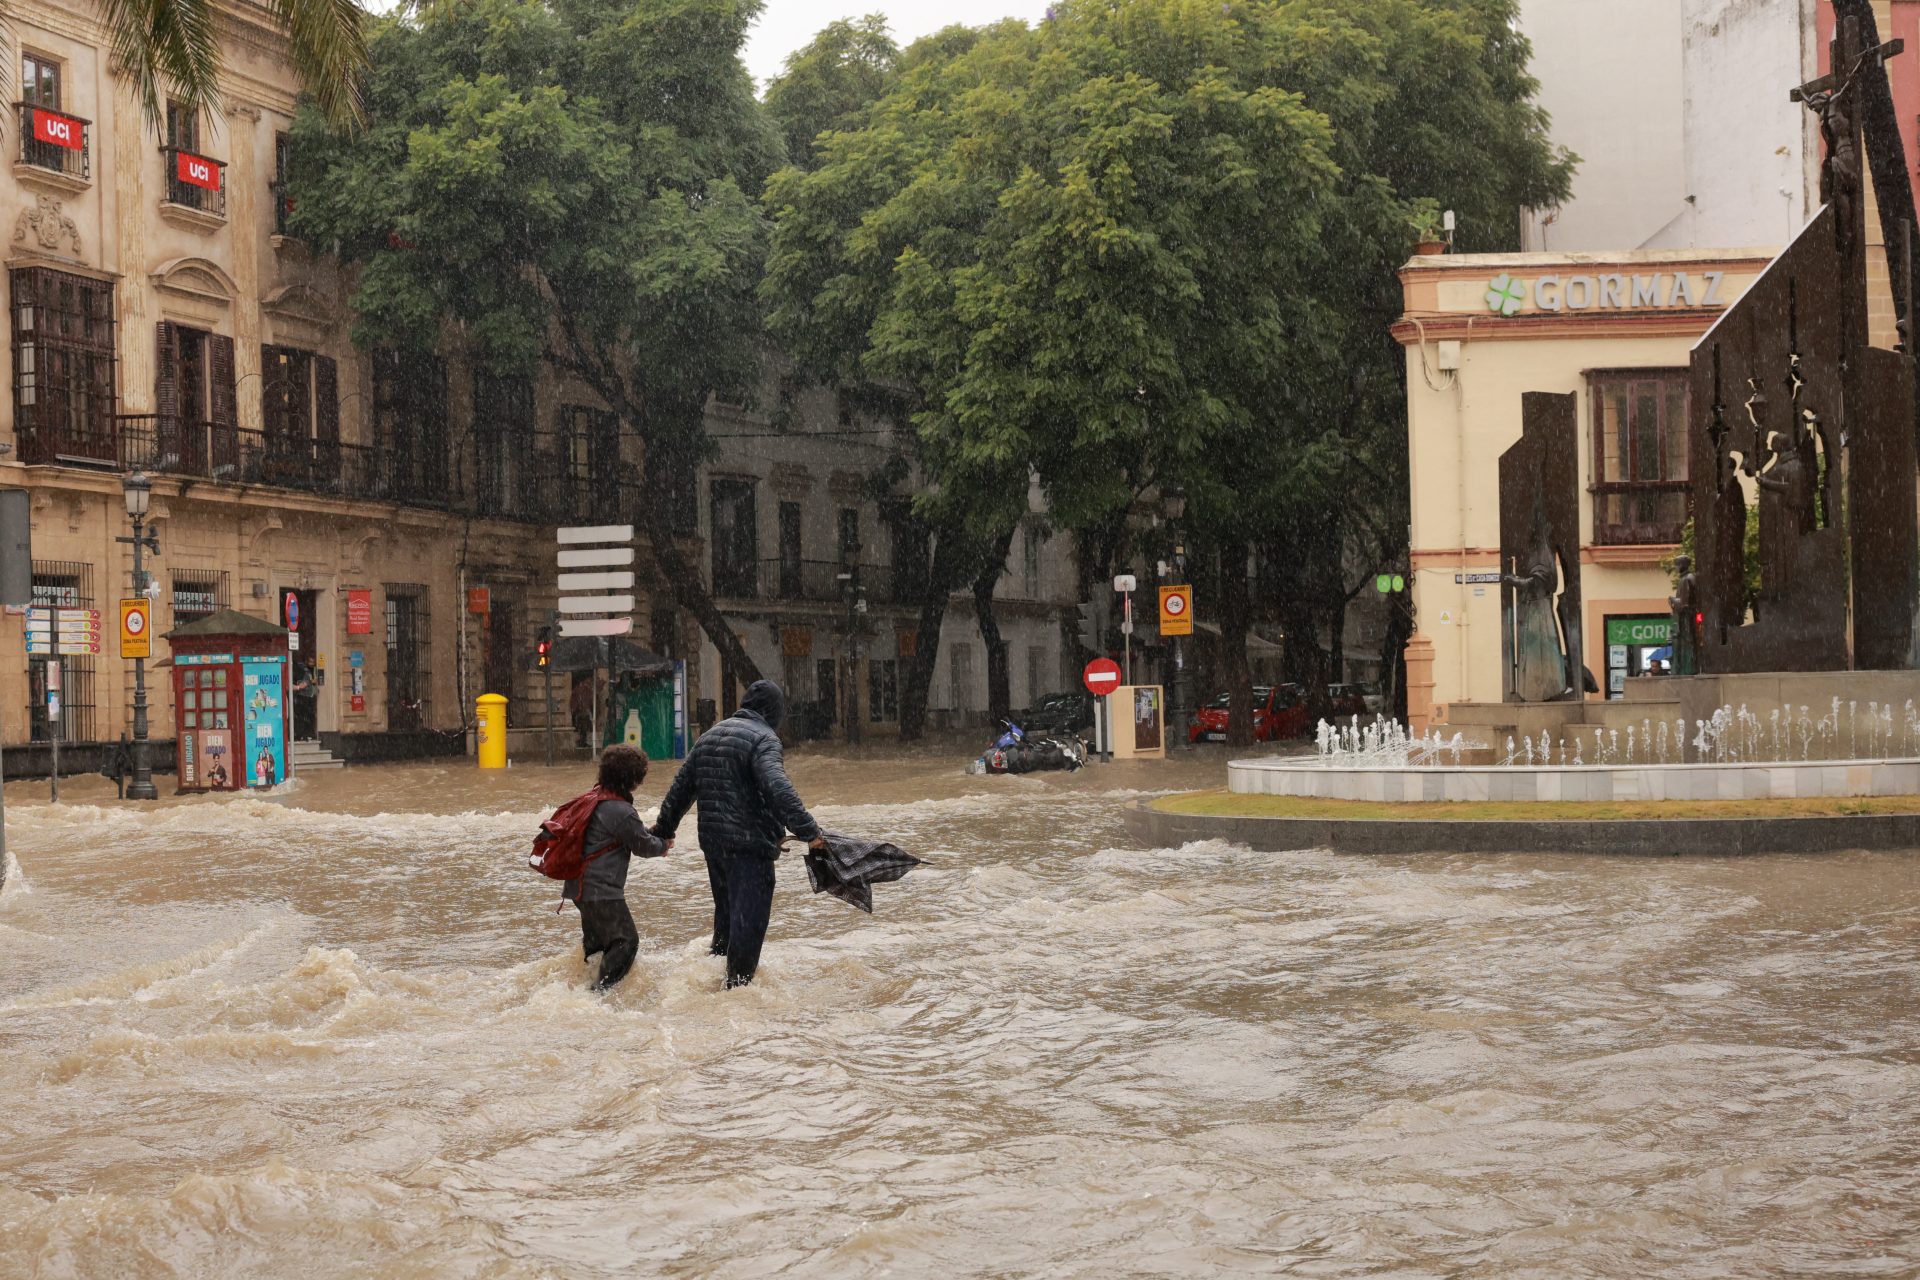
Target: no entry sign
(1101,677)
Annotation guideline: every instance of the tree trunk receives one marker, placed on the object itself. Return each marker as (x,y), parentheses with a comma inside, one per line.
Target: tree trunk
(683,575)
(1393,651)
(1233,644)
(999,674)
(935,596)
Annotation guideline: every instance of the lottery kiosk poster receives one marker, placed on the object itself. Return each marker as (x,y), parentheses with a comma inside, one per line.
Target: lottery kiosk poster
(263,756)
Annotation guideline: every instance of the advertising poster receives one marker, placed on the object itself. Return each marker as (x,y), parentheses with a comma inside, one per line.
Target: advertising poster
(1146,718)
(263,753)
(189,766)
(359,612)
(216,759)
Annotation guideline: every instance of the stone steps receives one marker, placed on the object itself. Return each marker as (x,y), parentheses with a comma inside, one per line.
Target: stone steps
(311,755)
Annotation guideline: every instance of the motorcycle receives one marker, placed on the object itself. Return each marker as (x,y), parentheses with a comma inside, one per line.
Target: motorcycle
(1016,752)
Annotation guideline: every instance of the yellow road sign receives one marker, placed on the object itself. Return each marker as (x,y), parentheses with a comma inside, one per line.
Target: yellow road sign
(1176,611)
(136,628)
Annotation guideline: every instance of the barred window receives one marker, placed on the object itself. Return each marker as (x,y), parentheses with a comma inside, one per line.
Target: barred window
(62,584)
(63,367)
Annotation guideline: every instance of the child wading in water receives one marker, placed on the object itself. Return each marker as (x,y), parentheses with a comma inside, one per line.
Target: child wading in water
(606,925)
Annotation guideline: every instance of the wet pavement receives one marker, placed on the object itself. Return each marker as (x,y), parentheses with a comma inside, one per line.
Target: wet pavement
(341,1031)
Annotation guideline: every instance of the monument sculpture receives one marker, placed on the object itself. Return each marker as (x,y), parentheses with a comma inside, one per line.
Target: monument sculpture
(1540,554)
(1792,408)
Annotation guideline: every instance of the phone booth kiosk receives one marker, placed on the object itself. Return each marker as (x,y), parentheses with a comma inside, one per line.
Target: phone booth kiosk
(230,703)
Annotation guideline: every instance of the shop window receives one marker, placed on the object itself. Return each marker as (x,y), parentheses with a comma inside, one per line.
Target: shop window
(1640,456)
(63,367)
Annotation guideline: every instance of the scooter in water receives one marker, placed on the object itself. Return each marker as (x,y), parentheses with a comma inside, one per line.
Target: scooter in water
(1014,752)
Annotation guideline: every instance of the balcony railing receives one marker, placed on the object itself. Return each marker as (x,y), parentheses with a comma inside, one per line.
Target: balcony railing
(545,490)
(821,581)
(1640,514)
(54,141)
(196,181)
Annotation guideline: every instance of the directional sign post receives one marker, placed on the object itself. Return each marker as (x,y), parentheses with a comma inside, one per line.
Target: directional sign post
(598,559)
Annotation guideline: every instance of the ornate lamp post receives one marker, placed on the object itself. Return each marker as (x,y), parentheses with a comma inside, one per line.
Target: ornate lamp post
(1173,500)
(139,492)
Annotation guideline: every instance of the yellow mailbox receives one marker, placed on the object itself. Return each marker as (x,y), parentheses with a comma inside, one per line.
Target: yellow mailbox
(490,738)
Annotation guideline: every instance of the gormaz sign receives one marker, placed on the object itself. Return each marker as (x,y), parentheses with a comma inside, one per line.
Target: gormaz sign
(1508,294)
(199,171)
(61,131)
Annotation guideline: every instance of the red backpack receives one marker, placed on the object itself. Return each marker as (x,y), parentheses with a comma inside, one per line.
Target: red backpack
(560,846)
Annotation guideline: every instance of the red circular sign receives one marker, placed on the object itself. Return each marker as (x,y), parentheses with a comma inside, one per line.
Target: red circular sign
(1101,677)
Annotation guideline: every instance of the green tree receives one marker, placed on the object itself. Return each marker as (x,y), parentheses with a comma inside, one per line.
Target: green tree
(830,83)
(573,183)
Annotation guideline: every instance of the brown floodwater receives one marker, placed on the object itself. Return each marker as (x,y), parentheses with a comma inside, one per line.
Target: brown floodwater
(340,1031)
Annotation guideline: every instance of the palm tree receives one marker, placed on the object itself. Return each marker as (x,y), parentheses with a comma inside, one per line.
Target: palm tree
(171,49)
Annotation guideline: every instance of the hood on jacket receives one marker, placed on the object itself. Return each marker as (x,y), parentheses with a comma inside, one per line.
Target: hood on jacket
(767,700)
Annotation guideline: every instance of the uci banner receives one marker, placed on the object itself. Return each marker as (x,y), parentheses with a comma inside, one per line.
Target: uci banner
(61,131)
(198,170)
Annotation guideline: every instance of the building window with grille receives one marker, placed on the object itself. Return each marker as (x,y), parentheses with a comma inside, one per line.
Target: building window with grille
(50,138)
(410,424)
(61,584)
(736,538)
(408,651)
(194,179)
(64,380)
(198,593)
(590,439)
(300,414)
(1640,456)
(194,429)
(503,443)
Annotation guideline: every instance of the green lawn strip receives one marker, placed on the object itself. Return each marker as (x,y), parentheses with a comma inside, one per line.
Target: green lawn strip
(1225,804)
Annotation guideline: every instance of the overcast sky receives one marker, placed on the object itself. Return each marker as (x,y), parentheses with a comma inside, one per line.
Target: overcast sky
(788,24)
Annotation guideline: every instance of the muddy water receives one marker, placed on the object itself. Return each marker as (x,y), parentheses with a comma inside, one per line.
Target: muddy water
(341,1032)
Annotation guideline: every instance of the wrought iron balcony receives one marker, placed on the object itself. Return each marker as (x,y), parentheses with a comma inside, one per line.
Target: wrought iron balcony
(54,140)
(195,181)
(822,581)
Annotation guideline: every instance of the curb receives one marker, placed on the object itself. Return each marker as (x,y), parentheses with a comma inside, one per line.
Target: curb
(1633,837)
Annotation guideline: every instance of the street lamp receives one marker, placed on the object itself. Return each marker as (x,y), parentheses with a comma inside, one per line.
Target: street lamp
(139,494)
(1173,500)
(856,612)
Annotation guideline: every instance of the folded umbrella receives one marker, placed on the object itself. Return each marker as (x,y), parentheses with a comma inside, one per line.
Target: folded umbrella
(848,868)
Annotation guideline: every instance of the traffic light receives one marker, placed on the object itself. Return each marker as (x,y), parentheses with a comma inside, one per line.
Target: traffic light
(544,645)
(1096,613)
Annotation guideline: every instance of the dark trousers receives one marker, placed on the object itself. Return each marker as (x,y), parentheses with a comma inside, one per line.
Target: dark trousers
(742,905)
(607,927)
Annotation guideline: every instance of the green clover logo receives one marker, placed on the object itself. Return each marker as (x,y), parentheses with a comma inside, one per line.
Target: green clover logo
(1505,294)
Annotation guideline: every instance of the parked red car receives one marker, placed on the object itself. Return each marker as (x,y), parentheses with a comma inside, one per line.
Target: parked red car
(1279,711)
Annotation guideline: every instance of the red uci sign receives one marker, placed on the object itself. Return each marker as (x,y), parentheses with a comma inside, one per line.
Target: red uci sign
(198,170)
(61,131)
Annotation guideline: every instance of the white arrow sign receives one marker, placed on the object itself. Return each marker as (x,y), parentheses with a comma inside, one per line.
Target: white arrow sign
(598,557)
(596,581)
(596,604)
(596,533)
(596,626)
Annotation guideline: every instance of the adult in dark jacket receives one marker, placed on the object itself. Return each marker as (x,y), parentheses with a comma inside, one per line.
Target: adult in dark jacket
(737,774)
(606,925)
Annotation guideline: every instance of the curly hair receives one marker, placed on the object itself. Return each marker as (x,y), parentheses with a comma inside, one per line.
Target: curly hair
(622,768)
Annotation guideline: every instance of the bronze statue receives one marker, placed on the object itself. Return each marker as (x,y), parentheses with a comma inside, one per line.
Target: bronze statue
(1539,661)
(1685,604)
(1540,554)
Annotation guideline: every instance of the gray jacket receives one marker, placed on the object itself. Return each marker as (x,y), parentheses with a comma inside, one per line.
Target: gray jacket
(615,823)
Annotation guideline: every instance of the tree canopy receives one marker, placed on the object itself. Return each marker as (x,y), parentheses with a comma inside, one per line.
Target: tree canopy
(573,182)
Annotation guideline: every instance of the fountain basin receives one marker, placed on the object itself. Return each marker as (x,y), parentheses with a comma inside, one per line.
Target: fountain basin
(1311,777)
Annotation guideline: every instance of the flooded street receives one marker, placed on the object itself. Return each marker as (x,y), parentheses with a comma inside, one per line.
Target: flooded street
(341,1031)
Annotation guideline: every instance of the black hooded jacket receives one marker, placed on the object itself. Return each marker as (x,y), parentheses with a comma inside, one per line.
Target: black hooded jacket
(737,774)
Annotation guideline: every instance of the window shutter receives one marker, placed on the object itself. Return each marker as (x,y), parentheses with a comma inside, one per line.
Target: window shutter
(222,403)
(273,393)
(326,398)
(166,378)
